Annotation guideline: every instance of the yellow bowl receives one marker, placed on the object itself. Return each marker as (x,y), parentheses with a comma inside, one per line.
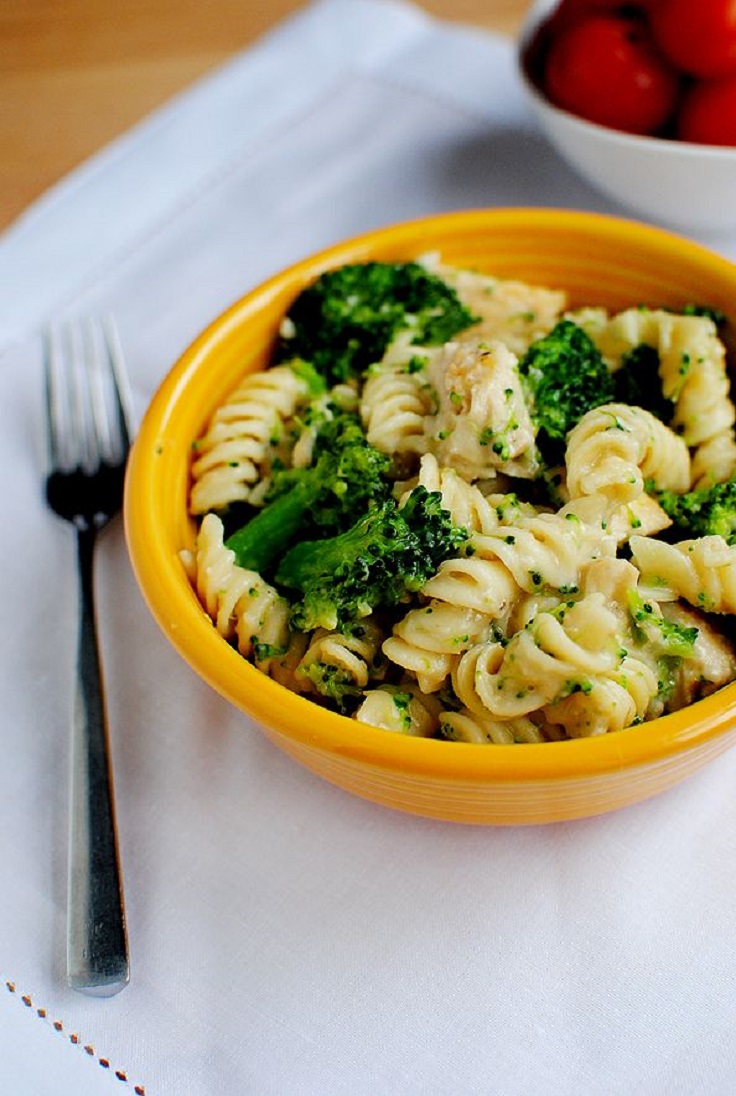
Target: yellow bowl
(598,260)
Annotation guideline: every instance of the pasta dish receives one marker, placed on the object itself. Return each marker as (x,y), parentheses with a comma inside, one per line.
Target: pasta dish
(454,506)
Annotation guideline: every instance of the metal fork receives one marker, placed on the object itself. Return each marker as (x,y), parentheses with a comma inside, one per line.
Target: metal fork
(89,432)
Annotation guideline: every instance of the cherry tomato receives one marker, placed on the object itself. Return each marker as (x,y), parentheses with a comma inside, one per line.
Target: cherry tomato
(708,113)
(697,36)
(605,68)
(568,12)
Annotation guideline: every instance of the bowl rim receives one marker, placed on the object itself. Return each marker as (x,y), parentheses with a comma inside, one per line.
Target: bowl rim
(174,604)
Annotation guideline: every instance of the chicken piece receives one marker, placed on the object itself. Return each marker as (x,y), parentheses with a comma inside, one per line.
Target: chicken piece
(712,665)
(482,425)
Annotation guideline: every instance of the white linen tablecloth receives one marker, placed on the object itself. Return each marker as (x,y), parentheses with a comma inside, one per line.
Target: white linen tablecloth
(287,938)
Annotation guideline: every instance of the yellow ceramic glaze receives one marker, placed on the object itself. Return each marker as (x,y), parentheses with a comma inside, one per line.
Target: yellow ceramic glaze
(598,260)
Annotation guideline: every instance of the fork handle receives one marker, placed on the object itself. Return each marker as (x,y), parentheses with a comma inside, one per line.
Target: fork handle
(97,946)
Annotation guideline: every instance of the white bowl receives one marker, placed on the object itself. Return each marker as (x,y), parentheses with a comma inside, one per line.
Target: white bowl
(676,183)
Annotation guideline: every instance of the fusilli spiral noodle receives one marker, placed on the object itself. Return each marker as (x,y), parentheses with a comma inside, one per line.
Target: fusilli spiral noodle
(512,311)
(464,726)
(242,437)
(702,571)
(610,703)
(714,461)
(692,369)
(546,550)
(400,708)
(550,658)
(242,605)
(340,658)
(429,641)
(484,585)
(464,501)
(393,408)
(616,447)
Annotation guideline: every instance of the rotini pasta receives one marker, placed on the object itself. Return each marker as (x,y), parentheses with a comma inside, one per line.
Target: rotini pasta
(615,448)
(692,370)
(464,501)
(242,606)
(464,726)
(243,437)
(555,655)
(483,585)
(701,571)
(547,551)
(400,708)
(393,408)
(429,640)
(338,662)
(607,703)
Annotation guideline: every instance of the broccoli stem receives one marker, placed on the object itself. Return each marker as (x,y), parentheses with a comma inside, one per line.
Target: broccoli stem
(262,542)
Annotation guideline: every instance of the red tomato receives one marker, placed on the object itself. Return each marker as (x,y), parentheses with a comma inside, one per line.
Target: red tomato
(708,113)
(568,12)
(605,68)
(697,36)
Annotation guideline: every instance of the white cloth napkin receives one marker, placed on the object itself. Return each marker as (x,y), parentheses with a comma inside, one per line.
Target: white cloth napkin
(286,937)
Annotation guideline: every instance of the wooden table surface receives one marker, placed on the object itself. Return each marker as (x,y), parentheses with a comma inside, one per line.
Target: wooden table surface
(76,73)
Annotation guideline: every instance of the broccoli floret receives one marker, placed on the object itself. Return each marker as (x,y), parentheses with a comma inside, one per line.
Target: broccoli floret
(386,555)
(348,473)
(638,382)
(345,320)
(706,511)
(565,376)
(347,476)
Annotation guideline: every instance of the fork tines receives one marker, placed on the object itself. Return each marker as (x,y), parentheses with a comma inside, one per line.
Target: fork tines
(89,420)
(88,400)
